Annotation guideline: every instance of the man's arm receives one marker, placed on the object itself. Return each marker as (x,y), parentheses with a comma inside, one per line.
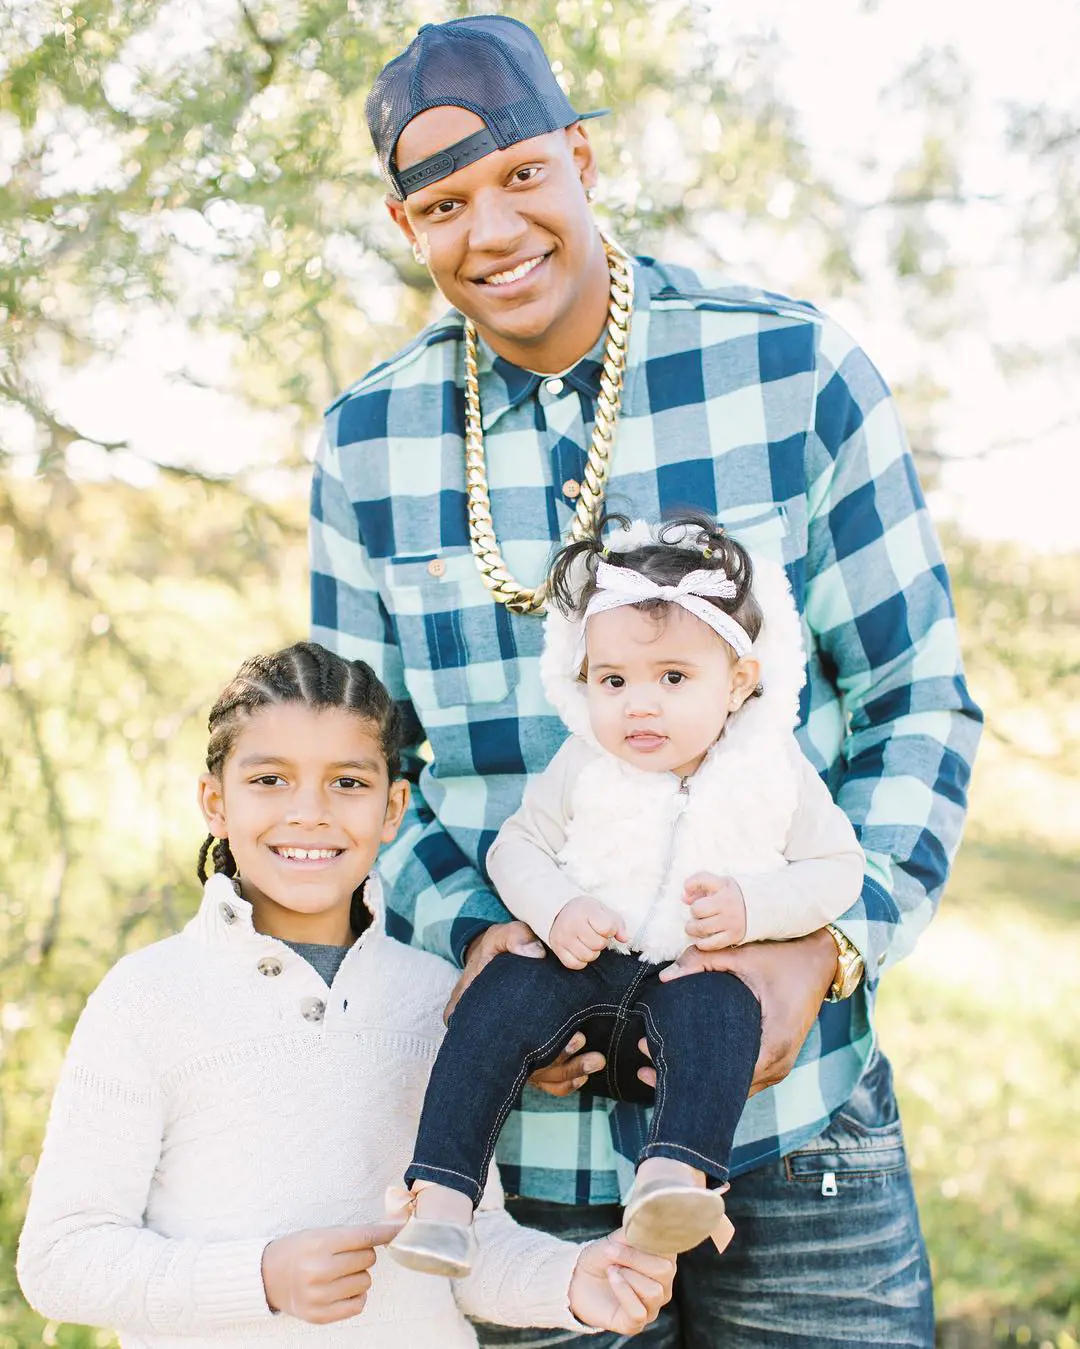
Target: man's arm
(880,611)
(435,897)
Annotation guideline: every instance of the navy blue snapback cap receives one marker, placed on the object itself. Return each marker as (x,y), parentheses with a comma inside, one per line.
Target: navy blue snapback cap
(488,63)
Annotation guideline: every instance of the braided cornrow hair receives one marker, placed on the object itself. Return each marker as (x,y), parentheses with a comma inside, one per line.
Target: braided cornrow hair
(686,543)
(304,673)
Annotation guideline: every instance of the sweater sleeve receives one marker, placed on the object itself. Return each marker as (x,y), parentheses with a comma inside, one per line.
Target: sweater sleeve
(520,1277)
(824,874)
(85,1254)
(522,860)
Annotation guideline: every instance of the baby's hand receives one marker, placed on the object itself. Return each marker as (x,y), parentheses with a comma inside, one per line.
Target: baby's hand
(718,909)
(581,931)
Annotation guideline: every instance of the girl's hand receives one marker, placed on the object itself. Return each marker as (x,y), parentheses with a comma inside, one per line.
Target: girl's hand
(582,929)
(322,1274)
(617,1287)
(718,911)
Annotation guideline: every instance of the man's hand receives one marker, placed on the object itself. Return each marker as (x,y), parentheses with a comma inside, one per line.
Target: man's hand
(570,1071)
(718,911)
(516,937)
(617,1287)
(582,929)
(789,978)
(321,1274)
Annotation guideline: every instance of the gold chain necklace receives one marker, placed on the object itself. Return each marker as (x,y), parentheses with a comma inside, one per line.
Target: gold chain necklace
(518,598)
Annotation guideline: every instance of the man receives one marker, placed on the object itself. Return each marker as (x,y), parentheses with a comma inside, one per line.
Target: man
(729,400)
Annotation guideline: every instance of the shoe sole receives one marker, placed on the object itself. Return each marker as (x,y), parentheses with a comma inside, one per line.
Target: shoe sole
(679,1220)
(429,1262)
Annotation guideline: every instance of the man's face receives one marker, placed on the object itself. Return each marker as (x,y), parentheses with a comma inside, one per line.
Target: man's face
(510,239)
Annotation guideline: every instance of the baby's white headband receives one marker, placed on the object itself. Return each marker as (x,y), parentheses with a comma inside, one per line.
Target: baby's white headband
(616,586)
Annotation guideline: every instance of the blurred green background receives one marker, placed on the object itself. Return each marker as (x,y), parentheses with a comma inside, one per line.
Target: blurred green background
(194,258)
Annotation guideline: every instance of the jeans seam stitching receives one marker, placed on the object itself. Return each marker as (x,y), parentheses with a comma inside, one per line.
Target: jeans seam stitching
(522,1076)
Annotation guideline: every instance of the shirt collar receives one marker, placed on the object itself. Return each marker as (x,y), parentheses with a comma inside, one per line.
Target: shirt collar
(504,386)
(225,918)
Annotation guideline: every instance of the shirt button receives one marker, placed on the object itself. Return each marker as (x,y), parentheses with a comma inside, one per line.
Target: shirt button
(269,965)
(571,489)
(228,914)
(312,1009)
(554,386)
(436,567)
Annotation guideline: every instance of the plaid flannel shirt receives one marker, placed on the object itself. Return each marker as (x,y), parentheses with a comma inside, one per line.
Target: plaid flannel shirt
(738,402)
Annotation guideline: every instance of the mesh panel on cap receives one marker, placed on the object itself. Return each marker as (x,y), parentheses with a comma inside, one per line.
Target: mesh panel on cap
(465,65)
(490,64)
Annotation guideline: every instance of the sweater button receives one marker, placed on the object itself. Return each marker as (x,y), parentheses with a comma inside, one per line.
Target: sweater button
(312,1009)
(228,914)
(269,965)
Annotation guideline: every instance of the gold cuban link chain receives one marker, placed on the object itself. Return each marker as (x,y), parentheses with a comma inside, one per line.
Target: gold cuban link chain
(518,598)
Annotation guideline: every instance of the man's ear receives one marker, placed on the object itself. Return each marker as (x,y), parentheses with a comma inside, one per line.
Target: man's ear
(745,678)
(212,804)
(583,154)
(396,801)
(400,219)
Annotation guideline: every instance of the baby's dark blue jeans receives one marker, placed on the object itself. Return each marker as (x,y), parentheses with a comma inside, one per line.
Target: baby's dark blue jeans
(703,1031)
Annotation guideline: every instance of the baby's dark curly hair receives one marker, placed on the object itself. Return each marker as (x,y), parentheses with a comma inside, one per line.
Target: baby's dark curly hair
(304,673)
(690,542)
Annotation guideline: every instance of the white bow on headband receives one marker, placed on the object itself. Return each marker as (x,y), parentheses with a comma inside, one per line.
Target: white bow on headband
(616,586)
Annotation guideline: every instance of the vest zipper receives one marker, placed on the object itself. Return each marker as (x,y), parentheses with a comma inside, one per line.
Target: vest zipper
(683,800)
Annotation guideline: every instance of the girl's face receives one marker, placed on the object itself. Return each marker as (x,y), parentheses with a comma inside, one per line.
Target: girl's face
(305,801)
(661,688)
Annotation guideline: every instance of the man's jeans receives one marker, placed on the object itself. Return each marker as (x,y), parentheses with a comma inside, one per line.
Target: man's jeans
(518,1014)
(827,1250)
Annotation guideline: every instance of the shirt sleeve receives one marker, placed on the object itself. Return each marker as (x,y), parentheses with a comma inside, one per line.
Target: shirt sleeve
(520,1277)
(84,1254)
(435,897)
(522,861)
(879,609)
(824,874)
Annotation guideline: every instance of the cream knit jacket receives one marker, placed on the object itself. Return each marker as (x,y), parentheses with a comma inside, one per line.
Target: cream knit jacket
(216,1095)
(755,810)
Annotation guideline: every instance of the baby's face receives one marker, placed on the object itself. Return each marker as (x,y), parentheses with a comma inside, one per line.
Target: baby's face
(660,687)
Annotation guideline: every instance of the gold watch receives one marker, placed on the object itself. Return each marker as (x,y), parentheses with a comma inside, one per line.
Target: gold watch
(849,966)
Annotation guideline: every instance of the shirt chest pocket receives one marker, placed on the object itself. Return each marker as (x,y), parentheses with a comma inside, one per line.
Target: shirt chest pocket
(763,529)
(457,642)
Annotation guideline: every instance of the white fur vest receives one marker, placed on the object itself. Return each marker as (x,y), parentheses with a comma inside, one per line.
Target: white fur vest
(633,837)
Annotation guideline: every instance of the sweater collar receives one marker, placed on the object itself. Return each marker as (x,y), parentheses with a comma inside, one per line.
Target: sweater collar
(225,917)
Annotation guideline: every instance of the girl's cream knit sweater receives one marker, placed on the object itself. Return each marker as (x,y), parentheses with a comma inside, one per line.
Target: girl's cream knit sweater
(217,1095)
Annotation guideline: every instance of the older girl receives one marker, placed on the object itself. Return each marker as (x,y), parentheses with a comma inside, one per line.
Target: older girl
(237,1098)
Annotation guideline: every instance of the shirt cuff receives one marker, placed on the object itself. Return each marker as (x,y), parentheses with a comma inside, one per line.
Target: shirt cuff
(549,1290)
(870,925)
(227,1282)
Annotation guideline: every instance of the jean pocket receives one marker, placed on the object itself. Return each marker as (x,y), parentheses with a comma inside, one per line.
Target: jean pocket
(457,642)
(863,1140)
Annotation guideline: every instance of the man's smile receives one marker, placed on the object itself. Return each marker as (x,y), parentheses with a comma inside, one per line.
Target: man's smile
(510,276)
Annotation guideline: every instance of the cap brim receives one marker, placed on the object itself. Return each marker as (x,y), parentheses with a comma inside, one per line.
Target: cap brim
(585,116)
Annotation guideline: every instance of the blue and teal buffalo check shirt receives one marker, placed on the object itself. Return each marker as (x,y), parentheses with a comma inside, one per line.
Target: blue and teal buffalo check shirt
(738,402)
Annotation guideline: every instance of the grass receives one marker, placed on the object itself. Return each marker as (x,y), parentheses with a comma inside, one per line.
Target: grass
(981,1025)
